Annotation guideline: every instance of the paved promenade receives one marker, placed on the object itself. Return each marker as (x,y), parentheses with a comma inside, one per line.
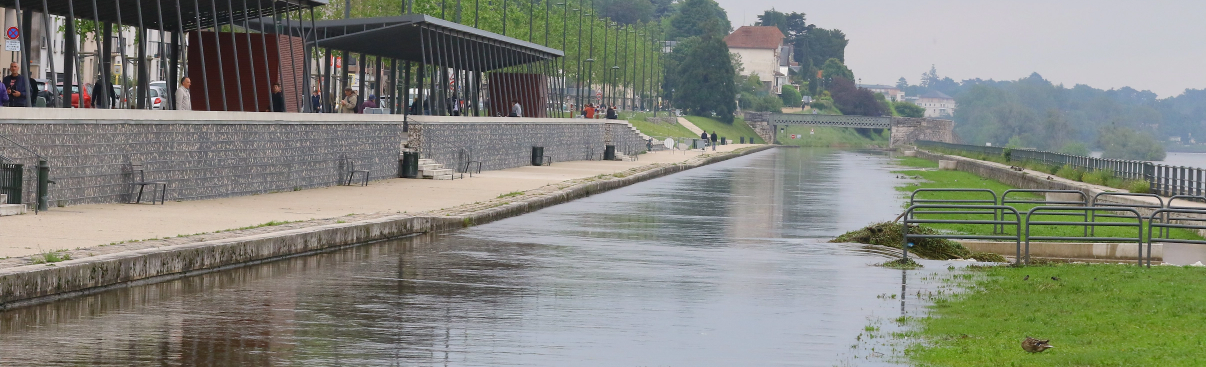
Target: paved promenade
(87,227)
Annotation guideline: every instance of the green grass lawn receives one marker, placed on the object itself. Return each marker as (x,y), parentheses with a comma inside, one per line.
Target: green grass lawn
(837,137)
(660,131)
(1095,315)
(738,129)
(963,180)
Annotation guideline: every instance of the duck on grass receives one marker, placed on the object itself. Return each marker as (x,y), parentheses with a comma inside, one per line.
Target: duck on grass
(890,234)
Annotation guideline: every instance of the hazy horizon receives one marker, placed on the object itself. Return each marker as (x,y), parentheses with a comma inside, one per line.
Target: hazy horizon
(1104,44)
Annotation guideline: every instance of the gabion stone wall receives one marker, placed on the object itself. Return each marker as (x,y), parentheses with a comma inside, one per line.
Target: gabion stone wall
(91,161)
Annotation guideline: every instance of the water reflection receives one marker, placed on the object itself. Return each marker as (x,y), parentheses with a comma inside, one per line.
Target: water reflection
(724,265)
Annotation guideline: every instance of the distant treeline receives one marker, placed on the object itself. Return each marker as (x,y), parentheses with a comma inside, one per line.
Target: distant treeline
(1033,112)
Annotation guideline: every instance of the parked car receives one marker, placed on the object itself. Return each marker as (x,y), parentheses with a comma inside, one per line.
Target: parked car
(46,95)
(156,98)
(75,96)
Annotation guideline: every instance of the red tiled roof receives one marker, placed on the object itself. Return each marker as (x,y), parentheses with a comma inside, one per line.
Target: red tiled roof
(755,37)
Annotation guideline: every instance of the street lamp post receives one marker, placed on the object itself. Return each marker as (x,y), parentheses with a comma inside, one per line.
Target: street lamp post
(606,28)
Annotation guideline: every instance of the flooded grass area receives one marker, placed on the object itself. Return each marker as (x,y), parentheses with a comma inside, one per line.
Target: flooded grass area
(1094,315)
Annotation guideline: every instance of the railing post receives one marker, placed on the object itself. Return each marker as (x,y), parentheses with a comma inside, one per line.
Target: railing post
(43,184)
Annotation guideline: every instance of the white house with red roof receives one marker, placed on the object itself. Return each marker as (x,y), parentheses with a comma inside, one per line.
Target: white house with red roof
(761,51)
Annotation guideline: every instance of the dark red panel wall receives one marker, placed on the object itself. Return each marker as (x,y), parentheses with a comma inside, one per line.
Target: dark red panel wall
(257,66)
(531,90)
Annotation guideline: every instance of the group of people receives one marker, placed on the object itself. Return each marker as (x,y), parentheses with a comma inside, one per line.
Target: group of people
(590,112)
(708,140)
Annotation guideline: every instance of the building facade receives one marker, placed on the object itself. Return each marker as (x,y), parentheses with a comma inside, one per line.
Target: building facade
(937,104)
(761,52)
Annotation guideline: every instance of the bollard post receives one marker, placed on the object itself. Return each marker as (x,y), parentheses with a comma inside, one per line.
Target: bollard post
(43,184)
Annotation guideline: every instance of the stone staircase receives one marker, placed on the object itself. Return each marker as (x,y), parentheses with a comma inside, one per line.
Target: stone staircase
(430,169)
(620,156)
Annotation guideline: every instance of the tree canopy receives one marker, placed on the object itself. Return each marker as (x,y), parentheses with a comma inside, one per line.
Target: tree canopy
(693,15)
(852,100)
(705,76)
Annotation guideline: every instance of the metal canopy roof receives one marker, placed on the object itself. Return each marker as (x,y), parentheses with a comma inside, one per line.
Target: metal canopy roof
(171,15)
(446,43)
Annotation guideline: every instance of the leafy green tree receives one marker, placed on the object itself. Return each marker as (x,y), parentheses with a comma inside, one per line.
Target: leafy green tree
(693,15)
(1075,148)
(626,11)
(1124,143)
(909,109)
(706,82)
(853,100)
(834,68)
(791,97)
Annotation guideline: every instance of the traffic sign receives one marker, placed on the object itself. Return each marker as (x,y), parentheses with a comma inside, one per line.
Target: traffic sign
(12,33)
(12,45)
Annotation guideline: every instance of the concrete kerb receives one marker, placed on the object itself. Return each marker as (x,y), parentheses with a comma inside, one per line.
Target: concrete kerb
(32,284)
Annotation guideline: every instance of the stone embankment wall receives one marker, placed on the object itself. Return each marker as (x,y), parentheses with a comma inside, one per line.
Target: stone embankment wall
(202,155)
(906,130)
(31,284)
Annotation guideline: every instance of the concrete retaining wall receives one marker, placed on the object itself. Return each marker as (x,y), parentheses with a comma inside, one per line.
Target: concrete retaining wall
(33,284)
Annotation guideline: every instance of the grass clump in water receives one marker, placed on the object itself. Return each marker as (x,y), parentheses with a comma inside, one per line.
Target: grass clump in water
(902,264)
(890,234)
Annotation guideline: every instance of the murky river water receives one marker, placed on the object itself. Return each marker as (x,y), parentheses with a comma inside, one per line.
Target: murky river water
(724,265)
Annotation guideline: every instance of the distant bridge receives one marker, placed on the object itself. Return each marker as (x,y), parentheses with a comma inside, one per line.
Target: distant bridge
(905,130)
(862,122)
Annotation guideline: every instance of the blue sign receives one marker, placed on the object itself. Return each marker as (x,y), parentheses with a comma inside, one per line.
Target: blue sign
(12,33)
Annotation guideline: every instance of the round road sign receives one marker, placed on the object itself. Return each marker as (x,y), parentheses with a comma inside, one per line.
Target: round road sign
(12,33)
(669,143)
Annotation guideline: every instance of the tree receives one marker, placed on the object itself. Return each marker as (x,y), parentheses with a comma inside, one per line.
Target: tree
(792,25)
(902,83)
(1124,143)
(852,100)
(817,45)
(908,109)
(791,96)
(706,81)
(834,68)
(691,17)
(626,11)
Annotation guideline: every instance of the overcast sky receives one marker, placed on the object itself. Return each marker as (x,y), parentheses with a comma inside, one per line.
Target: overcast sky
(1153,45)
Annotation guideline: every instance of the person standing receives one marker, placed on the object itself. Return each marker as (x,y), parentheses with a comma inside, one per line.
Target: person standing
(15,85)
(184,99)
(590,110)
(278,98)
(611,113)
(713,140)
(316,101)
(704,136)
(516,109)
(100,95)
(348,103)
(3,95)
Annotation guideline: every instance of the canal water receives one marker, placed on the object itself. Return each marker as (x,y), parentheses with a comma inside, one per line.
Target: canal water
(722,265)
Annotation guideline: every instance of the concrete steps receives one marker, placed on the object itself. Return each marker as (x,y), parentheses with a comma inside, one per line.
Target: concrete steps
(432,170)
(10,209)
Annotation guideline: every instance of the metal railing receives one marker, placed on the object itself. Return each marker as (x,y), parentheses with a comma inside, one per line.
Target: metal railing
(1049,210)
(1084,201)
(1166,217)
(992,210)
(11,179)
(1097,203)
(967,206)
(1162,179)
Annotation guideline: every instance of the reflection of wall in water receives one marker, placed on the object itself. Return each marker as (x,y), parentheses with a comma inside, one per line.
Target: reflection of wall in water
(757,197)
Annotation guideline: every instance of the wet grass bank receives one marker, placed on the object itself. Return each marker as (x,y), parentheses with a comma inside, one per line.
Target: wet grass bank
(1094,315)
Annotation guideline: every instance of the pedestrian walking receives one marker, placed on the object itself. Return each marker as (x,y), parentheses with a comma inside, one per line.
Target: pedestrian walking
(516,109)
(714,140)
(184,99)
(14,85)
(278,98)
(704,136)
(348,103)
(101,95)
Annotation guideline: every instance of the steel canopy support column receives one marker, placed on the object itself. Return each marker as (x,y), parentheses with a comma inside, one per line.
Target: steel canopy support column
(255,93)
(25,17)
(218,47)
(71,59)
(264,52)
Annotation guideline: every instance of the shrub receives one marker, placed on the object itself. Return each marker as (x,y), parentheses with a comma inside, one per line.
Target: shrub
(1137,186)
(1074,174)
